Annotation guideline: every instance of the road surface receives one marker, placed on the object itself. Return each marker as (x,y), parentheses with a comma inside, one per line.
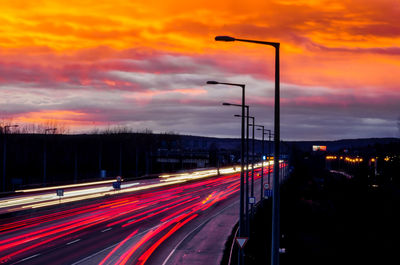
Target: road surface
(144,227)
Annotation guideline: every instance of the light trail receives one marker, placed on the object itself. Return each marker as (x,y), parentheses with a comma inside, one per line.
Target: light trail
(49,199)
(67,186)
(163,211)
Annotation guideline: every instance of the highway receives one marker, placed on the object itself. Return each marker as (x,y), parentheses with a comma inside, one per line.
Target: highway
(137,227)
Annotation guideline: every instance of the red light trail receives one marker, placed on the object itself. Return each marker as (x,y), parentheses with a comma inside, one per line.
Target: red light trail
(142,221)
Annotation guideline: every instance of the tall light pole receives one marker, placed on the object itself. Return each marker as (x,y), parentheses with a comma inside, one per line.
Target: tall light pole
(100,156)
(241,209)
(45,153)
(262,160)
(252,157)
(120,159)
(269,152)
(5,154)
(275,192)
(247,219)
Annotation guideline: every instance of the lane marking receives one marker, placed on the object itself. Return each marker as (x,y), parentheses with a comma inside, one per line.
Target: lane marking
(180,242)
(130,221)
(112,246)
(30,257)
(107,248)
(72,242)
(233,242)
(105,230)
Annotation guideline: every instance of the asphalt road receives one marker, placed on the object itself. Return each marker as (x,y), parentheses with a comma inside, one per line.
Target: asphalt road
(143,227)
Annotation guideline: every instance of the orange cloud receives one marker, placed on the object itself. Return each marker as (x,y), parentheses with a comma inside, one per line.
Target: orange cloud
(348,46)
(75,30)
(64,117)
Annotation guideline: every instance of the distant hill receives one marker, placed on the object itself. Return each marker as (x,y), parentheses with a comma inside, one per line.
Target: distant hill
(234,143)
(334,146)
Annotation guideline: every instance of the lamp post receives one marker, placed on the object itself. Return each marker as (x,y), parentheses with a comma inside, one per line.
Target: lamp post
(275,194)
(120,159)
(261,127)
(241,224)
(252,157)
(5,154)
(269,152)
(247,164)
(45,153)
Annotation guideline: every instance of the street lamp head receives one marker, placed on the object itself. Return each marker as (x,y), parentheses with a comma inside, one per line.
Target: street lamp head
(212,83)
(224,38)
(226,104)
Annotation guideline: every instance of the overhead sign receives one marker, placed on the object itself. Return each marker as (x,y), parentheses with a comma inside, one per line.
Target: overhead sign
(241,241)
(267,193)
(60,192)
(116,185)
(319,147)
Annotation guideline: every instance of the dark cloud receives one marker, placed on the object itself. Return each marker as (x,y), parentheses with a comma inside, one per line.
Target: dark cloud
(168,93)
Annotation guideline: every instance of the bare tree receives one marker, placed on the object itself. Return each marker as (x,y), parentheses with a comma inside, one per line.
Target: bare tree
(5,122)
(61,128)
(30,128)
(33,128)
(118,129)
(145,131)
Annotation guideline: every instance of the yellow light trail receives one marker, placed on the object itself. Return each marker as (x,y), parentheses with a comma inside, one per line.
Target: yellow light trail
(48,199)
(67,186)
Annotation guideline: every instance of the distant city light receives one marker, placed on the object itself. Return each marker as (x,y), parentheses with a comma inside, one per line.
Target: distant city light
(331,157)
(353,160)
(319,147)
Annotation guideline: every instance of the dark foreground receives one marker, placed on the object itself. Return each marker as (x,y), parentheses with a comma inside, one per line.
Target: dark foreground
(329,219)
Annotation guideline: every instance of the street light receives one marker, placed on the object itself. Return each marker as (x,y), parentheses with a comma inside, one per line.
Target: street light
(45,152)
(262,161)
(252,158)
(269,151)
(5,154)
(275,194)
(241,224)
(247,162)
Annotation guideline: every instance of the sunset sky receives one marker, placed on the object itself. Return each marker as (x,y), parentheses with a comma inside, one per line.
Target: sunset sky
(144,64)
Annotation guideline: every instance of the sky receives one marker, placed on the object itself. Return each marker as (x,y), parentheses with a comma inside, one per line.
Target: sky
(95,64)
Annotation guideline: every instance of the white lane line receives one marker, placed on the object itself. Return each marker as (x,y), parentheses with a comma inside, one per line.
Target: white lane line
(233,242)
(180,242)
(130,221)
(72,242)
(30,257)
(107,248)
(105,230)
